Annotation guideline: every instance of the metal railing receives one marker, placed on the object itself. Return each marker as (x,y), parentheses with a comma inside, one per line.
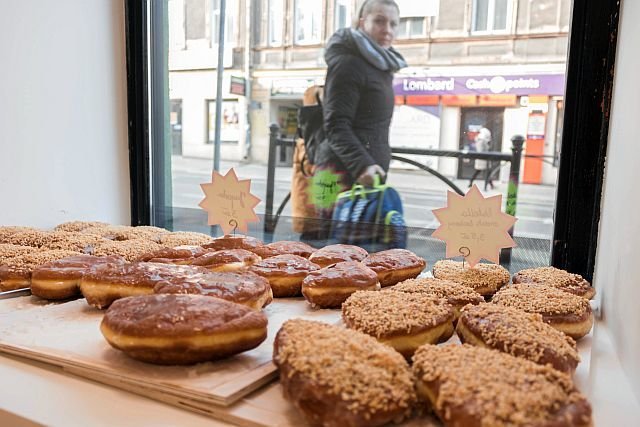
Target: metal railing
(275,141)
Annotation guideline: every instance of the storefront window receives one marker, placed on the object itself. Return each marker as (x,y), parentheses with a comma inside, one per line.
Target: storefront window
(456,87)
(230,127)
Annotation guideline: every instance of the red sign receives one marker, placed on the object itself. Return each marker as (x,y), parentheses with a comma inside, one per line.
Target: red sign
(238,86)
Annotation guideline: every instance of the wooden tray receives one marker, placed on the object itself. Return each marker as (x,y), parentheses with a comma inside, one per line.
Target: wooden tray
(235,391)
(67,335)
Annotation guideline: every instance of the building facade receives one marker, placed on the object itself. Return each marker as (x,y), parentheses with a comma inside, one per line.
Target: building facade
(473,63)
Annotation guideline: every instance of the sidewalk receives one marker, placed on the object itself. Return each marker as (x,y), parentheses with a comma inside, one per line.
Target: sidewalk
(421,192)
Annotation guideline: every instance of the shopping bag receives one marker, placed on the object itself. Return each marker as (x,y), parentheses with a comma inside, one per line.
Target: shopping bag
(370,217)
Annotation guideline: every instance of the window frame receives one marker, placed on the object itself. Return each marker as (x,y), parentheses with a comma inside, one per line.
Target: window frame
(490,17)
(347,6)
(270,26)
(407,22)
(230,23)
(295,39)
(587,103)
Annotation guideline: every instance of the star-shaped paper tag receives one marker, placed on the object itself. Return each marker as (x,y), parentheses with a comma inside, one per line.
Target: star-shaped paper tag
(229,202)
(474,226)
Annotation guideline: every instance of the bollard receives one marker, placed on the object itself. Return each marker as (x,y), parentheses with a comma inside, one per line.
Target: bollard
(271,172)
(512,188)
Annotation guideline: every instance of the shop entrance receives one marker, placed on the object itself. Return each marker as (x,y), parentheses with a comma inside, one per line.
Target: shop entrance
(472,120)
(285,113)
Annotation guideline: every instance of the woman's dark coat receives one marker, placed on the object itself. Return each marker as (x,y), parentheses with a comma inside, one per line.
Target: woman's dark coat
(358,105)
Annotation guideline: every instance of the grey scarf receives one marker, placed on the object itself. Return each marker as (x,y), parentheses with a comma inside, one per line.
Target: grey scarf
(387,59)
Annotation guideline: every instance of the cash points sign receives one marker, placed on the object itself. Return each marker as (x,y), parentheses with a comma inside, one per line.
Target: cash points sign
(544,84)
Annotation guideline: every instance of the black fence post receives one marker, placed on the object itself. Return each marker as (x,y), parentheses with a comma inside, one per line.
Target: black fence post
(512,188)
(271,175)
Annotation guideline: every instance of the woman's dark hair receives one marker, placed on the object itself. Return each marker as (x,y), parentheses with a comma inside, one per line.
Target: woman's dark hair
(368,5)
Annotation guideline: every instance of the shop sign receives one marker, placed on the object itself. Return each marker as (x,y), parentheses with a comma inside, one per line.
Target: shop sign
(292,87)
(238,86)
(546,84)
(536,127)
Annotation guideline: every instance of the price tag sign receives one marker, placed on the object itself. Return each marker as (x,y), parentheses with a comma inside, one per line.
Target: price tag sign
(229,202)
(474,226)
(323,188)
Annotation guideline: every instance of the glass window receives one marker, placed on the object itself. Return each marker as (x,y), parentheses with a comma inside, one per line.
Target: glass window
(308,22)
(229,33)
(276,22)
(457,87)
(230,125)
(177,24)
(490,15)
(410,28)
(343,14)
(195,19)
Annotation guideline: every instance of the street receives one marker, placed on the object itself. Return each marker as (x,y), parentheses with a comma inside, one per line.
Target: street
(421,192)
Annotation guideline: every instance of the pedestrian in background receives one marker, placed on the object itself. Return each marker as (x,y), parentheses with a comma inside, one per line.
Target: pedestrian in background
(359,97)
(482,144)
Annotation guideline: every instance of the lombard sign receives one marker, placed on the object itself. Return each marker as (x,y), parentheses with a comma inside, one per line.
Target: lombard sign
(543,84)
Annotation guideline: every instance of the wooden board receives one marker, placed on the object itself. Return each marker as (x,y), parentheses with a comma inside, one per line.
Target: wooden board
(28,320)
(67,335)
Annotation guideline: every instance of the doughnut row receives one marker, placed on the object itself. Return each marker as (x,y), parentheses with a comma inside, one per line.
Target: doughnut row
(344,377)
(513,368)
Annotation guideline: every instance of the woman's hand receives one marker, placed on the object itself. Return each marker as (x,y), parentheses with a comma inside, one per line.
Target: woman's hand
(366,178)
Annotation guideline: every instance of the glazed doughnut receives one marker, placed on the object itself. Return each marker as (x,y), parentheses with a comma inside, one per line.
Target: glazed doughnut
(60,279)
(454,293)
(400,320)
(338,377)
(395,265)
(264,251)
(236,241)
(285,273)
(337,253)
(473,386)
(106,283)
(181,255)
(15,273)
(485,279)
(181,329)
(518,333)
(128,249)
(285,247)
(14,277)
(330,286)
(242,288)
(227,260)
(566,312)
(561,279)
(184,238)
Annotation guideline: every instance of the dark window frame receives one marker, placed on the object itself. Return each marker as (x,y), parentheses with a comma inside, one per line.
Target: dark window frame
(590,66)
